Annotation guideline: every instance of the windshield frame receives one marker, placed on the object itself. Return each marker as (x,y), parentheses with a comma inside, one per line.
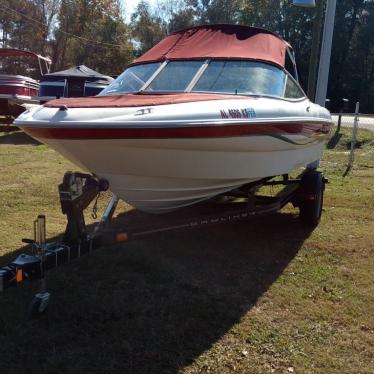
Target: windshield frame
(153,76)
(289,76)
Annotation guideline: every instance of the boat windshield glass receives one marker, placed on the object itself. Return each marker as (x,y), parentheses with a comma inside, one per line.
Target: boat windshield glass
(242,77)
(132,79)
(220,76)
(176,76)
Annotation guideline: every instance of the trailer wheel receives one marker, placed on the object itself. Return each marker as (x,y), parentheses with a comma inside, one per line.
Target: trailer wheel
(311,197)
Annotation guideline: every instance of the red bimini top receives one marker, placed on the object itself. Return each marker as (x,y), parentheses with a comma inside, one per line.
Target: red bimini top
(220,41)
(196,43)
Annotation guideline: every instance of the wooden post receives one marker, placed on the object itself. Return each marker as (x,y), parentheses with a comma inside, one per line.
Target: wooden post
(339,122)
(354,138)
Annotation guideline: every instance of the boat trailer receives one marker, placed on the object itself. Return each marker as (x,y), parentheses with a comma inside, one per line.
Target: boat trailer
(78,190)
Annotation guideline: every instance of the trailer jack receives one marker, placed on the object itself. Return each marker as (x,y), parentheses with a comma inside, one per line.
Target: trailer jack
(76,192)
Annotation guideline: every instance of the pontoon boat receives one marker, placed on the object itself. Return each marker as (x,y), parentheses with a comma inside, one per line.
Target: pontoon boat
(17,88)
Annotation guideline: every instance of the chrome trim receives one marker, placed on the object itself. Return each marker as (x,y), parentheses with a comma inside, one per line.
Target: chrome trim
(95,85)
(173,123)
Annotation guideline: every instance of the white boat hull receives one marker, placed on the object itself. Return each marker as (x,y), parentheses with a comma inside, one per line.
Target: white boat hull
(171,171)
(161,175)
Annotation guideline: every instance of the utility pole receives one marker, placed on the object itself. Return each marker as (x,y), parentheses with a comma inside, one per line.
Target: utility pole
(324,61)
(313,62)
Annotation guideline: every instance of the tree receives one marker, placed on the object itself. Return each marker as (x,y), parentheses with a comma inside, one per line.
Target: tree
(147,28)
(221,11)
(178,14)
(92,32)
(352,61)
(28,24)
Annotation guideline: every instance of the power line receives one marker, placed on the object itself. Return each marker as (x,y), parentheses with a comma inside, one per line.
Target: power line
(8,10)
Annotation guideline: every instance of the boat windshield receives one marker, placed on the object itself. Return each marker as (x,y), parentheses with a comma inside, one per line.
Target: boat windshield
(175,76)
(219,76)
(132,79)
(242,77)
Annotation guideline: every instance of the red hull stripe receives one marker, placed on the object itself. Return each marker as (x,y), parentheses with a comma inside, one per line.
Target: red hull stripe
(308,129)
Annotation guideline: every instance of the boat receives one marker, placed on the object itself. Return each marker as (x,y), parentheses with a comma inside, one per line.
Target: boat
(19,85)
(207,110)
(77,81)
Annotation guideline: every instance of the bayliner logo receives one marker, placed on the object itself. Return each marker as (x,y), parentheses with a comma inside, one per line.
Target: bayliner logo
(238,113)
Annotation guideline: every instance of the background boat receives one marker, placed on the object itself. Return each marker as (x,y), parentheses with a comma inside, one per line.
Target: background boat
(19,84)
(74,82)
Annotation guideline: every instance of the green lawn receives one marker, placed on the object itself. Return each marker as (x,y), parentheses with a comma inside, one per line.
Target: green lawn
(265,296)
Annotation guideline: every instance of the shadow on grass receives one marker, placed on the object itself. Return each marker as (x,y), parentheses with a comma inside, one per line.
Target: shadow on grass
(17,138)
(151,305)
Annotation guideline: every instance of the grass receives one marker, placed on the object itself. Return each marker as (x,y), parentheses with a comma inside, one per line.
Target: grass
(266,296)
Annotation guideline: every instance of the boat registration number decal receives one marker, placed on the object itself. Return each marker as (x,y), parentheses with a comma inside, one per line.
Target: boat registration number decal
(238,113)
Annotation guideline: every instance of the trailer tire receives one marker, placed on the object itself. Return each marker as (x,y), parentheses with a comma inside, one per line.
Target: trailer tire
(311,202)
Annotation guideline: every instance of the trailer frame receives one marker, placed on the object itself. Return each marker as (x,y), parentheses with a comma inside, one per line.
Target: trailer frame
(78,190)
